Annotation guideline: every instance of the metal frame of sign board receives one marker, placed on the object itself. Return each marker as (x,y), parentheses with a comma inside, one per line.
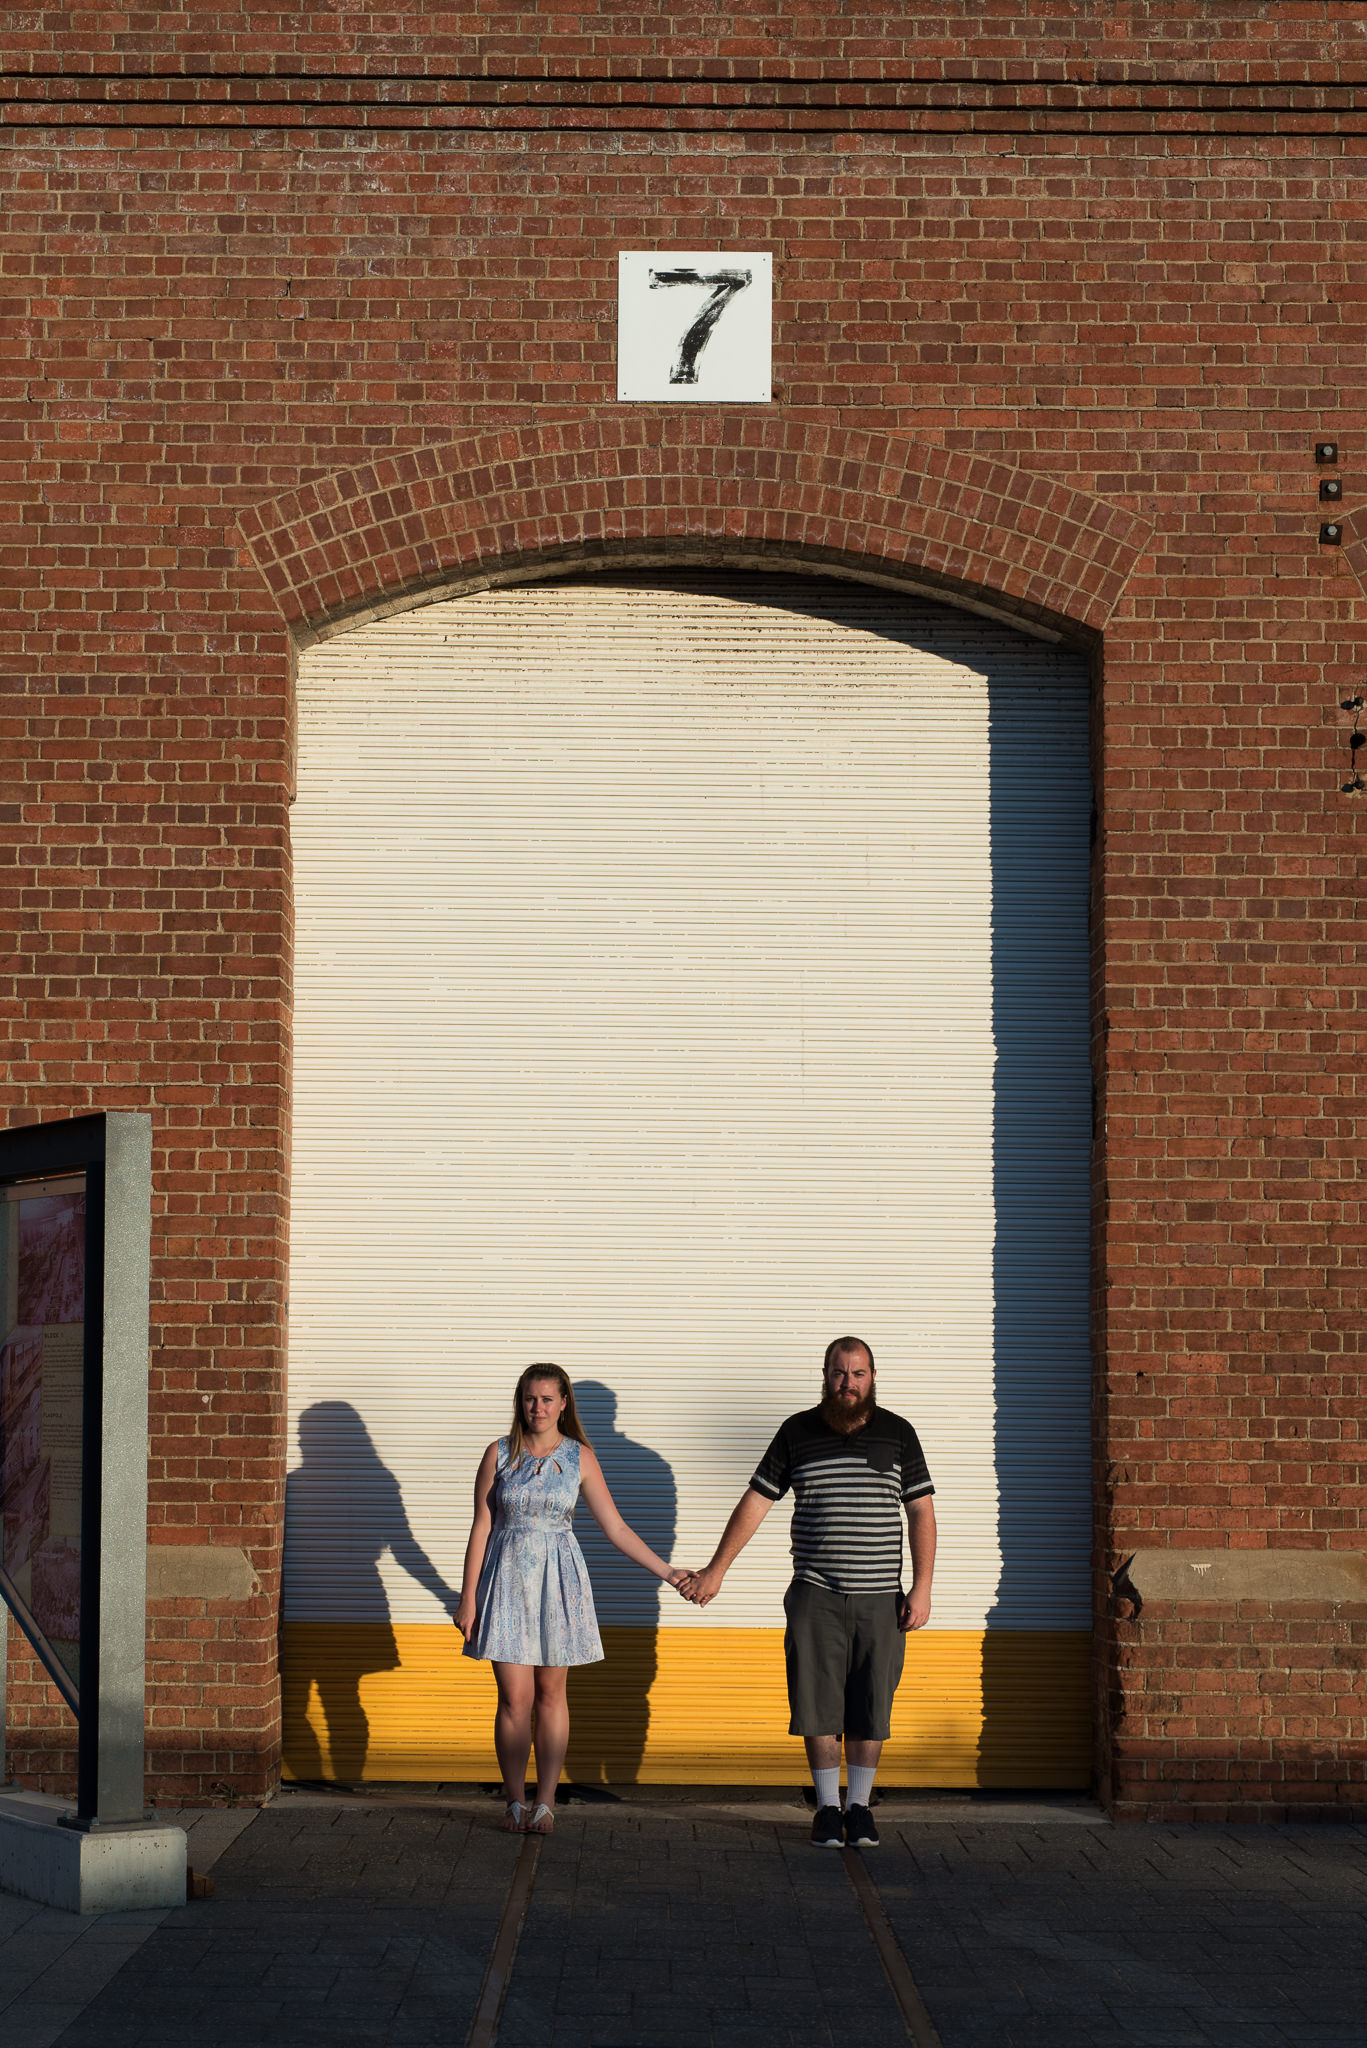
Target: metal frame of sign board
(114,1151)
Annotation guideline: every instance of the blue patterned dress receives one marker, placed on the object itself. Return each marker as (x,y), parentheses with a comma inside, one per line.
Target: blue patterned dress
(535,1603)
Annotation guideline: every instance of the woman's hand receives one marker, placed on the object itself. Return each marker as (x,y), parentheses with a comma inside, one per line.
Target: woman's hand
(465,1616)
(681,1581)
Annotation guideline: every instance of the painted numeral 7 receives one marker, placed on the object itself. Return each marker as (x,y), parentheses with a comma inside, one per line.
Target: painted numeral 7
(725,283)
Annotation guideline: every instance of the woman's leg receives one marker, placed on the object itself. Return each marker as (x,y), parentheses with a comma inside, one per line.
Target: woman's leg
(513,1725)
(552,1729)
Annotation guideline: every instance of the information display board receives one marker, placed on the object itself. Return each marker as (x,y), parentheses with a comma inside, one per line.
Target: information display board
(42,1376)
(75,1275)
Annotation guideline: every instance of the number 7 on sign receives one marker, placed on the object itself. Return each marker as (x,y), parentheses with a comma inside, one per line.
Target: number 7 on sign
(725,284)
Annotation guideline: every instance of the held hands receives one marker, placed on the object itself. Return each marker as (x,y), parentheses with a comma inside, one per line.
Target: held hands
(699,1586)
(696,1587)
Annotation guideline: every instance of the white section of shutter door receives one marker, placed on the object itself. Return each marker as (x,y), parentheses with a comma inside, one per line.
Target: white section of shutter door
(690,969)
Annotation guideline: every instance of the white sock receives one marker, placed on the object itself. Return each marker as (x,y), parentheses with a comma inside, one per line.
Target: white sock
(860,1783)
(827,1786)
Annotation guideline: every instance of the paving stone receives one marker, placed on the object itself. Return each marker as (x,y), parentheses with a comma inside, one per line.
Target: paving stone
(370,1927)
(1149,1935)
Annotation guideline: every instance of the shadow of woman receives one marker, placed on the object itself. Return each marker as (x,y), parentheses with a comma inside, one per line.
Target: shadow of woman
(610,1702)
(343,1510)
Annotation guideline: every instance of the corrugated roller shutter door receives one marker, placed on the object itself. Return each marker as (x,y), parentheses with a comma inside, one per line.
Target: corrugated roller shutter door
(688,969)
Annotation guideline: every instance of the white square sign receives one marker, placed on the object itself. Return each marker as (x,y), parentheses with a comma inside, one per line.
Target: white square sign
(695,326)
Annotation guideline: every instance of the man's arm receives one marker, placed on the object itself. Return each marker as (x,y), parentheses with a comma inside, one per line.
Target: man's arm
(921,1536)
(746,1517)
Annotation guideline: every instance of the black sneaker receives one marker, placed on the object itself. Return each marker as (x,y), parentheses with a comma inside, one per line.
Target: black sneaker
(828,1829)
(860,1832)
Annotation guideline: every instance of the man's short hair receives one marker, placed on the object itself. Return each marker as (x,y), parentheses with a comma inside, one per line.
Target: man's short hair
(840,1348)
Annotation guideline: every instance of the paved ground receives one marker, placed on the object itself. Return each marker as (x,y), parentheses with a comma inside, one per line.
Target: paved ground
(52,1965)
(1172,1937)
(653,1924)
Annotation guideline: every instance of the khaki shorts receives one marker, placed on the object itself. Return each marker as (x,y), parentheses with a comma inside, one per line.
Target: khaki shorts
(844,1658)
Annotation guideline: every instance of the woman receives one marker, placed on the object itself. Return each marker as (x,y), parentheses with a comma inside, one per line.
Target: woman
(526,1603)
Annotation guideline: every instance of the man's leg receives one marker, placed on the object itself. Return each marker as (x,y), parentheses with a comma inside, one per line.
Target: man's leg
(877,1652)
(861,1768)
(814,1650)
(823,1761)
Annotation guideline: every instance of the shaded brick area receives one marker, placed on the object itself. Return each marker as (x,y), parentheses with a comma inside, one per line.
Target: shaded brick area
(1226,1706)
(1165,1937)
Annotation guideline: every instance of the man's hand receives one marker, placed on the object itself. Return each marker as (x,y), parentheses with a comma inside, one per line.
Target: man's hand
(706,1585)
(913,1610)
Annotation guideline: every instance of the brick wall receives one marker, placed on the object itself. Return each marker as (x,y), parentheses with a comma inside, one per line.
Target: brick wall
(1238,1711)
(1111,257)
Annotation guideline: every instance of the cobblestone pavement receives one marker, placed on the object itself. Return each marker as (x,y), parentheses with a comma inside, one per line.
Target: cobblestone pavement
(53,1964)
(331,1926)
(676,1933)
(1197,1937)
(651,1925)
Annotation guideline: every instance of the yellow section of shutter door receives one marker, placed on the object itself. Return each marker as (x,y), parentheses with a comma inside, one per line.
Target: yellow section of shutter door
(701,1707)
(690,969)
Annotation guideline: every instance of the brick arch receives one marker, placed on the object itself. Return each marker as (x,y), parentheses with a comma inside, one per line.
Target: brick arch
(498,506)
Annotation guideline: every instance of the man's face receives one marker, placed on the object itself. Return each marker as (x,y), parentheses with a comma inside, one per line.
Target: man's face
(849,1383)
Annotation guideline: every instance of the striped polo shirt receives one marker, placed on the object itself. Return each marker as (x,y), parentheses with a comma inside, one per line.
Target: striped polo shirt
(848,1493)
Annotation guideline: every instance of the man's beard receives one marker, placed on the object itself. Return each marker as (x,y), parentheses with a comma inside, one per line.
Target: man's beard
(846,1416)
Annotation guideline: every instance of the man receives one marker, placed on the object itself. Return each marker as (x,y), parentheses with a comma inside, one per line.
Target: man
(852,1467)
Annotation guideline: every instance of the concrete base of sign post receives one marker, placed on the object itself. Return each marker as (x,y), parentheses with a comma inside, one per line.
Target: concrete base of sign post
(111,1870)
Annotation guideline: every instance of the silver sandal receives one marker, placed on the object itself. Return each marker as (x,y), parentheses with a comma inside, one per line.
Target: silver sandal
(514,1817)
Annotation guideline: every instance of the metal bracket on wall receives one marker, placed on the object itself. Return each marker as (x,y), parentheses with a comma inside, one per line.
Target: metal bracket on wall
(1357,738)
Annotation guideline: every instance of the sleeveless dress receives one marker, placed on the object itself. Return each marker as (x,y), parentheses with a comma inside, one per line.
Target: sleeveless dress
(535,1604)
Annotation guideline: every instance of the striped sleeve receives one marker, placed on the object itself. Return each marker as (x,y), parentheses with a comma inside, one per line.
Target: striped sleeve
(774,1473)
(916,1483)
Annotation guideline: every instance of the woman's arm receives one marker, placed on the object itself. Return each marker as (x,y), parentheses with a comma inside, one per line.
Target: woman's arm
(479,1539)
(594,1488)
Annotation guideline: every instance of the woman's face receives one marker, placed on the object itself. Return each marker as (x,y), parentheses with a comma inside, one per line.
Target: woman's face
(543,1404)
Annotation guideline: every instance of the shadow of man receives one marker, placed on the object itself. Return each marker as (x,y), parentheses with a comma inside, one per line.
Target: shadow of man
(610,1702)
(343,1510)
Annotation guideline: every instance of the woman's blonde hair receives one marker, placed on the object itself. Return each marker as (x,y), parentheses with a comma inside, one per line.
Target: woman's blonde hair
(570,1425)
